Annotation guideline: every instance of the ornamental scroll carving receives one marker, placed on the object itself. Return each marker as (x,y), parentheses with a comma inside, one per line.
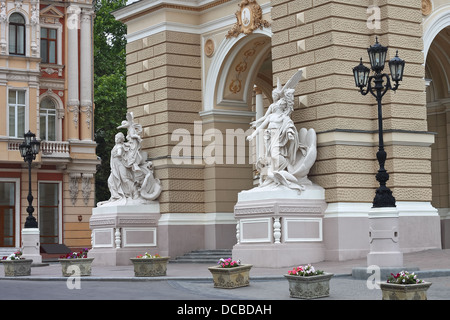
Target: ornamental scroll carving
(249,18)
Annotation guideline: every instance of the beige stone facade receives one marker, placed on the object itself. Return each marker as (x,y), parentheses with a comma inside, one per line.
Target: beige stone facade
(46,52)
(191,70)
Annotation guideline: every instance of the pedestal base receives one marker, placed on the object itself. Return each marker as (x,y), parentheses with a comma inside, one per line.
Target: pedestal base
(279,227)
(31,245)
(279,255)
(383,238)
(122,232)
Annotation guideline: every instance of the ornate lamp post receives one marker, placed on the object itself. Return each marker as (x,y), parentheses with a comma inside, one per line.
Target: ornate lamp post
(29,149)
(375,85)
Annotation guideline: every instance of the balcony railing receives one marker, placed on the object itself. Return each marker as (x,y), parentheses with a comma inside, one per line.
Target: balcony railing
(50,149)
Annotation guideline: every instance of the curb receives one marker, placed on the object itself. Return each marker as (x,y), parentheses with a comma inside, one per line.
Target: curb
(359,276)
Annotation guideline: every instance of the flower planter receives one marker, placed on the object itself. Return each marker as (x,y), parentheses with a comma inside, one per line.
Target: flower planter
(19,267)
(230,278)
(150,267)
(309,287)
(76,267)
(394,291)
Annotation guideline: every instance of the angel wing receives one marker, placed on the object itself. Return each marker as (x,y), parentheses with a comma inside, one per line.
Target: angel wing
(130,117)
(292,82)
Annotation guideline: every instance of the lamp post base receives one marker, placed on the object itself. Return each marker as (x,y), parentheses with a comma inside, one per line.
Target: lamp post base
(384,238)
(383,198)
(31,245)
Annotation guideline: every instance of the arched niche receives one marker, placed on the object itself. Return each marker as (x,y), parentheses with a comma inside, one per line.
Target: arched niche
(237,66)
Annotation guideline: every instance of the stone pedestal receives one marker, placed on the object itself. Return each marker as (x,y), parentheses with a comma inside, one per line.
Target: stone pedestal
(122,232)
(31,245)
(383,238)
(278,227)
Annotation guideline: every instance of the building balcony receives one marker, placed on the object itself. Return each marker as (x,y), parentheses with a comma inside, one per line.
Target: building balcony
(49,149)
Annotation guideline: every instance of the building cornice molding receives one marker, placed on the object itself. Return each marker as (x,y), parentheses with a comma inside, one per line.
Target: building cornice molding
(140,8)
(223,22)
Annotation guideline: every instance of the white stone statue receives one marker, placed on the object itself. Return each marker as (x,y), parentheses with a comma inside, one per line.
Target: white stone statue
(131,180)
(289,154)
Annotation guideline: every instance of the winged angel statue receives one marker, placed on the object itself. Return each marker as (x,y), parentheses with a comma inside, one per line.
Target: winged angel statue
(289,154)
(131,180)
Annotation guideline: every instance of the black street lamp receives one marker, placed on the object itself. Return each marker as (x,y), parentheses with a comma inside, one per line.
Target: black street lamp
(377,56)
(28,150)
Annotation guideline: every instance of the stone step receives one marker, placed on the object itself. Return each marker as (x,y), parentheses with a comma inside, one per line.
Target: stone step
(203,256)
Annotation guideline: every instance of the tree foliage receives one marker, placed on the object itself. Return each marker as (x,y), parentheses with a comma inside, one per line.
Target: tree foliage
(110,93)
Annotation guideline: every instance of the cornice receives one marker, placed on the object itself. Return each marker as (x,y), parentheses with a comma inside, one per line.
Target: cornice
(140,8)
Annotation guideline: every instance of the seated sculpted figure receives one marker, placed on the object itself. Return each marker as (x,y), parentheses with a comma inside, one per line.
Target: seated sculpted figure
(131,180)
(289,154)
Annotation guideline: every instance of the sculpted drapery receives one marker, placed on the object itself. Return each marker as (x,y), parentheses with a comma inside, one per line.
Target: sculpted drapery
(131,180)
(289,154)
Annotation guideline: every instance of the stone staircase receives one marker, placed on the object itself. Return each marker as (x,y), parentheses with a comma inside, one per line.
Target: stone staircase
(203,256)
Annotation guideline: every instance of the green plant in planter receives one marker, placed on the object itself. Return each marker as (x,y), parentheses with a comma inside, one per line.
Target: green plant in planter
(404,286)
(305,282)
(229,274)
(76,263)
(228,263)
(305,271)
(14,256)
(16,265)
(147,256)
(404,277)
(147,265)
(76,255)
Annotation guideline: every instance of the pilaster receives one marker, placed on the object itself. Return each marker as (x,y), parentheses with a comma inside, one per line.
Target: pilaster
(86,71)
(73,102)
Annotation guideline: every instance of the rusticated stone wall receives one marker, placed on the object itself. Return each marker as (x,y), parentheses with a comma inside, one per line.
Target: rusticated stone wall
(164,94)
(327,39)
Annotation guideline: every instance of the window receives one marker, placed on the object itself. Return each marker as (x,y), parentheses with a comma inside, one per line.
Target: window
(7,216)
(17,34)
(49,212)
(16,104)
(48,45)
(47,113)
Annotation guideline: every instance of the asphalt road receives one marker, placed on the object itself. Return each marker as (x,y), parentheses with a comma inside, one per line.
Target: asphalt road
(341,288)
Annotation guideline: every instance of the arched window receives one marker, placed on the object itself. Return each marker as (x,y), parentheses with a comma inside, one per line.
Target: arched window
(16,34)
(47,113)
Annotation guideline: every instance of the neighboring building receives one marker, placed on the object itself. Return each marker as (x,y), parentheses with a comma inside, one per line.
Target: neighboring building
(46,86)
(191,67)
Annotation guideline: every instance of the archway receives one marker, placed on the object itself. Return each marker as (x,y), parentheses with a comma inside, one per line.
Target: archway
(238,64)
(437,75)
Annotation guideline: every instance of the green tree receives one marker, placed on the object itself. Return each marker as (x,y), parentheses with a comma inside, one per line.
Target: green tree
(110,92)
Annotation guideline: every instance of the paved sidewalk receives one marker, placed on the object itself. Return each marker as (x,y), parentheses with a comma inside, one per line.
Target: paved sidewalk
(186,283)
